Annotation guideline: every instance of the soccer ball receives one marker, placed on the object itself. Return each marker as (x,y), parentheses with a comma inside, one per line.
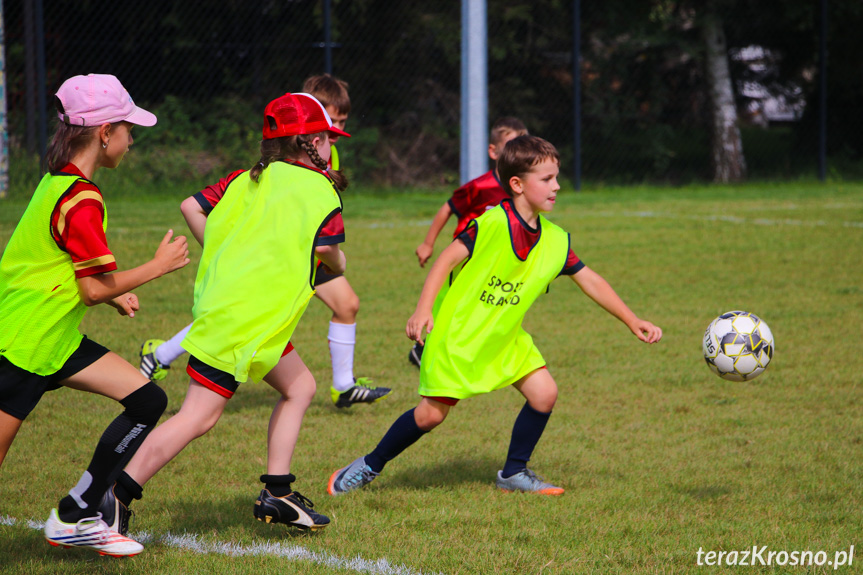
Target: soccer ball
(738,346)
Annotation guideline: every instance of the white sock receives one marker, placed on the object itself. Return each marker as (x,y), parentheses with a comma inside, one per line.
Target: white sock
(171,349)
(342,339)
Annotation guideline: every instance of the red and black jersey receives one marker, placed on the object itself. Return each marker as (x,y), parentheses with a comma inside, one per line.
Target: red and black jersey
(524,239)
(333,231)
(475,197)
(76,225)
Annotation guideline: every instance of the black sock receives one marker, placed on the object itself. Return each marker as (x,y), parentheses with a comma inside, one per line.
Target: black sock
(526,432)
(401,435)
(278,485)
(118,443)
(127,489)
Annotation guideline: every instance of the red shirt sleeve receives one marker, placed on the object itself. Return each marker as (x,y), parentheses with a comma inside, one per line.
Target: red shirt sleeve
(572,266)
(468,236)
(212,194)
(333,231)
(77,227)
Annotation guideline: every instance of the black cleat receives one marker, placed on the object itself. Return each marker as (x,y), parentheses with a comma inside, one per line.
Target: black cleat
(362,392)
(415,355)
(293,509)
(114,513)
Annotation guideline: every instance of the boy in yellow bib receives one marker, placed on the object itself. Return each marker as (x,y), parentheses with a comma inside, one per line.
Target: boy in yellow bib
(501,263)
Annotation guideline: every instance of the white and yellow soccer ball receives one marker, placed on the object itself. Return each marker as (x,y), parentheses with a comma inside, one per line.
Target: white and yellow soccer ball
(738,346)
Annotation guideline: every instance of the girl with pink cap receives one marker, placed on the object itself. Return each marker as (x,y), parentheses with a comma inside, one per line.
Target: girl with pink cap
(57,264)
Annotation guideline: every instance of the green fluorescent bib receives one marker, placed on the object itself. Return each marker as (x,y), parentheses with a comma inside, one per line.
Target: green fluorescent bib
(255,277)
(40,307)
(477,343)
(334,158)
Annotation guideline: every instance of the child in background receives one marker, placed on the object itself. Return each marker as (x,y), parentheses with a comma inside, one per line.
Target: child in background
(505,259)
(470,201)
(57,264)
(261,239)
(333,290)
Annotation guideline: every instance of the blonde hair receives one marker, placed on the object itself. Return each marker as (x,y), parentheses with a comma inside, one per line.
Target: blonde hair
(276,149)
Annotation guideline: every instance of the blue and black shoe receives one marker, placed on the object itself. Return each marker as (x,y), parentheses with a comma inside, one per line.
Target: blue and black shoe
(352,477)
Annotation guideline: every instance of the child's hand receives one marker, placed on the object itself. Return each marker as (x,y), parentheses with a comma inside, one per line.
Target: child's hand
(646,331)
(126,304)
(424,252)
(416,323)
(172,255)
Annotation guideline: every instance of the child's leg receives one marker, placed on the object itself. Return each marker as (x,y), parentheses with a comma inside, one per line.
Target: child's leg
(540,391)
(339,296)
(113,377)
(293,380)
(406,430)
(199,413)
(172,349)
(278,502)
(9,426)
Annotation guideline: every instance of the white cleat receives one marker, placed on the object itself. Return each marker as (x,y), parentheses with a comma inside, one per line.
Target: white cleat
(90,532)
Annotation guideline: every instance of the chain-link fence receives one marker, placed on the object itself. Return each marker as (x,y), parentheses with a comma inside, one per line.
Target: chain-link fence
(208,67)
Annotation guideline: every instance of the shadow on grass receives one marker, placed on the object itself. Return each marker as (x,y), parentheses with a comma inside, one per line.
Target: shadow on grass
(213,518)
(452,472)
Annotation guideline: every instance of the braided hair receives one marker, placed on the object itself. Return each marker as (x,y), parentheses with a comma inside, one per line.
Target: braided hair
(291,147)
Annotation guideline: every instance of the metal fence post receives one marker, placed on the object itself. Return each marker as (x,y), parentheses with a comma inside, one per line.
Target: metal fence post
(576,93)
(474,89)
(822,93)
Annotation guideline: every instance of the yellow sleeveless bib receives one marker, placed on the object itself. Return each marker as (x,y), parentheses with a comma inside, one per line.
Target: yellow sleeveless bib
(256,273)
(477,343)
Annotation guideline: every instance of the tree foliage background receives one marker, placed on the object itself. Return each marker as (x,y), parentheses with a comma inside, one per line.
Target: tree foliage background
(208,68)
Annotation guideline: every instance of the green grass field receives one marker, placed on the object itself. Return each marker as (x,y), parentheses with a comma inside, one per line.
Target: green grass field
(659,457)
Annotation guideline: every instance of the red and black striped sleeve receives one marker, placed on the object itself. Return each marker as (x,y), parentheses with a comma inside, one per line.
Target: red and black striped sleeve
(212,194)
(572,266)
(333,231)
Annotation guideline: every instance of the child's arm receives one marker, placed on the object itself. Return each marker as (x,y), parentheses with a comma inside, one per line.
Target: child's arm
(452,256)
(333,258)
(597,289)
(425,250)
(109,287)
(195,217)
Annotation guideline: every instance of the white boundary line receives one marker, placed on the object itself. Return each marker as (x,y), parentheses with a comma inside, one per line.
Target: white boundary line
(726,219)
(195,544)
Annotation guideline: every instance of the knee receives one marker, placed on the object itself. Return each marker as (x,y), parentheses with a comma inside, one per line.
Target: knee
(199,423)
(352,307)
(146,404)
(428,419)
(346,309)
(544,400)
(304,391)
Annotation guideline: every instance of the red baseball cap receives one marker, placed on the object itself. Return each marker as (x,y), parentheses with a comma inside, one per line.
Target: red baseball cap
(97,99)
(297,114)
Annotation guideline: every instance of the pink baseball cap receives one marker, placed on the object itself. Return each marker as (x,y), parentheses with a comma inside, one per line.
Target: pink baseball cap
(97,99)
(296,114)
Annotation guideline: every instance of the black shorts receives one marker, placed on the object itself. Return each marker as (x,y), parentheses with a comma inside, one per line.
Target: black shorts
(322,277)
(217,380)
(21,390)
